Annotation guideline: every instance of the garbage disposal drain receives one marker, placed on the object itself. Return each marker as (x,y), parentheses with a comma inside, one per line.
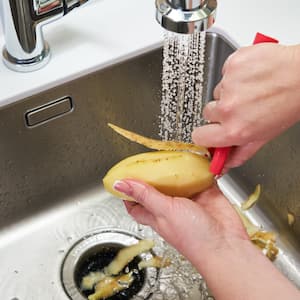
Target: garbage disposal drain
(97,250)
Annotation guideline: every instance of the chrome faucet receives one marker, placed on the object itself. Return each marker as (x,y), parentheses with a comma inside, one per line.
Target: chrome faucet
(25,49)
(186,16)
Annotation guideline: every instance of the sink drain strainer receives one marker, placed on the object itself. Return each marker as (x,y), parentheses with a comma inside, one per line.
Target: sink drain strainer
(96,251)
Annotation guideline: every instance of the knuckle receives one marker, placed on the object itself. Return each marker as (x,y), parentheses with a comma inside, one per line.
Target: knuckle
(239,135)
(225,108)
(236,60)
(218,90)
(142,195)
(208,109)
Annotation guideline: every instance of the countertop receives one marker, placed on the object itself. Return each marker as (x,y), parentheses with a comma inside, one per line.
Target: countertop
(104,32)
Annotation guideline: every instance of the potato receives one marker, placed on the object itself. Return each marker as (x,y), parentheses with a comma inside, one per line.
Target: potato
(174,173)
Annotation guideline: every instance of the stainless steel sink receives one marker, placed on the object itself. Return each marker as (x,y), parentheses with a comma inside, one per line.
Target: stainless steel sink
(56,147)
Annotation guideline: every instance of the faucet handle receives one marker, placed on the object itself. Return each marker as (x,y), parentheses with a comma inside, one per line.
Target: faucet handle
(46,6)
(71,4)
(25,48)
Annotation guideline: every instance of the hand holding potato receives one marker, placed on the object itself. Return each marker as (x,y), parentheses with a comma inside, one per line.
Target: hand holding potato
(204,223)
(209,233)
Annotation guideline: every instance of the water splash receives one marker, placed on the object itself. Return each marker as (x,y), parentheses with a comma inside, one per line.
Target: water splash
(182,85)
(181,111)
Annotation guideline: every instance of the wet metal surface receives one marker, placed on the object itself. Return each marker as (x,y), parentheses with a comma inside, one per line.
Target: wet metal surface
(50,180)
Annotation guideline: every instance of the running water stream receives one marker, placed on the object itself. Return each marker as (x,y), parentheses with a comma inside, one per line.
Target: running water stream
(182,85)
(181,111)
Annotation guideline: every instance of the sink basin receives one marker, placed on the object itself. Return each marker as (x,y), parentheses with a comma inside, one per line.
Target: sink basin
(57,147)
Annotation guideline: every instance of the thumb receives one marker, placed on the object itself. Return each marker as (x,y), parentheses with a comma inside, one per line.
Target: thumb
(154,201)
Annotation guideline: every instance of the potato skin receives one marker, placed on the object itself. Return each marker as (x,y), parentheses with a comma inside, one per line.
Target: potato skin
(174,173)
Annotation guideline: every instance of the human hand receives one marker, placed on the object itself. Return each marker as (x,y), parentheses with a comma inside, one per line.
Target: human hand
(257,99)
(195,228)
(209,233)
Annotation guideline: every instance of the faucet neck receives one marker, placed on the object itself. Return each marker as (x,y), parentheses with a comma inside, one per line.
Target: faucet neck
(25,48)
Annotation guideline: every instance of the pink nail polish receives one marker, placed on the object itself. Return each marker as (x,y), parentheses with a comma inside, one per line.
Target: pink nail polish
(123,187)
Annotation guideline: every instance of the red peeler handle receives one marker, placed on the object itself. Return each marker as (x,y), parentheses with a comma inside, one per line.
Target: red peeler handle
(219,155)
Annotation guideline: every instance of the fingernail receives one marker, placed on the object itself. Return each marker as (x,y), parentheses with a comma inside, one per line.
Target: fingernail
(123,187)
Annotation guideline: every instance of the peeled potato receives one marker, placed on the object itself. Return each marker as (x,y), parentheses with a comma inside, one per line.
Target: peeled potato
(174,173)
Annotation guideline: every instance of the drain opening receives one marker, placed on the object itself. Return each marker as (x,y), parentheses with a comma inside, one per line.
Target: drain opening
(95,251)
(99,257)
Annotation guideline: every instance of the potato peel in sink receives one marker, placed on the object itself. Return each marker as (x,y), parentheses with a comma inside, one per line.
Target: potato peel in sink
(126,255)
(110,286)
(154,262)
(264,240)
(252,199)
(112,279)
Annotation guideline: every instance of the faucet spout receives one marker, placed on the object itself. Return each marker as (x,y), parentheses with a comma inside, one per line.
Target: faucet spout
(25,48)
(186,16)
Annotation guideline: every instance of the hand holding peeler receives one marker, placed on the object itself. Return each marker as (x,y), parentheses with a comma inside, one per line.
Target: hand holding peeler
(219,155)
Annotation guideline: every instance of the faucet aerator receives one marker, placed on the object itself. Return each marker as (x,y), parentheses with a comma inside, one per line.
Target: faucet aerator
(185,16)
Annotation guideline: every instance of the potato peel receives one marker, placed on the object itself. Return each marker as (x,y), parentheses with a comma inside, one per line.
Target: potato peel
(252,199)
(264,240)
(154,262)
(126,255)
(291,218)
(109,286)
(91,279)
(111,280)
(160,145)
(249,226)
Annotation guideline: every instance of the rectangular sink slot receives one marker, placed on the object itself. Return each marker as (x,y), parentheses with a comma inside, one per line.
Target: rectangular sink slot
(49,111)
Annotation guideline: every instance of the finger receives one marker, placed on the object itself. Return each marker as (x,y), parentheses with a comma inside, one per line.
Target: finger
(129,205)
(241,154)
(227,63)
(139,213)
(211,113)
(217,91)
(153,201)
(211,135)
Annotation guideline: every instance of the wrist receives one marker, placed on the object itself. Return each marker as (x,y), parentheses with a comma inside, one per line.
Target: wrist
(238,270)
(224,252)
